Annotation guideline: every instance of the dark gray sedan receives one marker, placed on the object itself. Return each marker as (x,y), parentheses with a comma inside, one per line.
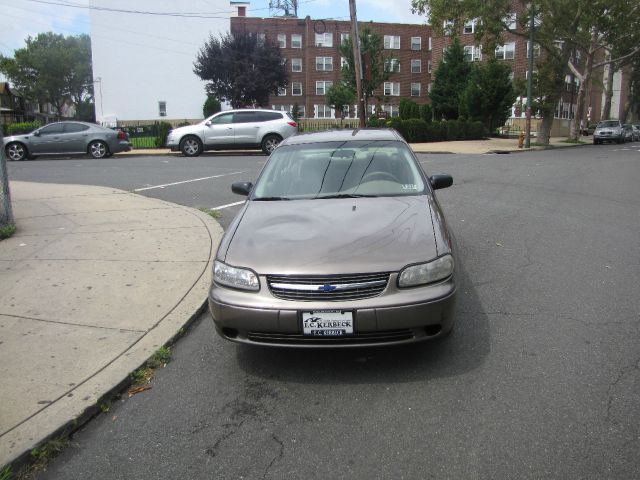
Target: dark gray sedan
(341,242)
(67,138)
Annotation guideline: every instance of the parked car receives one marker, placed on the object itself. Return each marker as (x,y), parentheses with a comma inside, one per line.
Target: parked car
(234,129)
(636,132)
(67,138)
(628,132)
(588,130)
(341,242)
(609,131)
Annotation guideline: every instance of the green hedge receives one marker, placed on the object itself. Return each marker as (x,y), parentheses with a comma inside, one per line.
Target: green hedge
(20,128)
(416,130)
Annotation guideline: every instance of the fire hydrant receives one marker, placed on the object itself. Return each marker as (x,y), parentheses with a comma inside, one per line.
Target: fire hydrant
(520,140)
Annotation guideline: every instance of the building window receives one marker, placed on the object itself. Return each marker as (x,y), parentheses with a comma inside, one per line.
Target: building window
(282,40)
(534,76)
(430,46)
(415,89)
(162,108)
(469,27)
(296,64)
(510,21)
(392,65)
(343,38)
(324,64)
(429,66)
(296,41)
(343,62)
(282,91)
(371,110)
(536,49)
(392,89)
(301,111)
(392,42)
(506,51)
(392,110)
(296,89)
(416,66)
(416,43)
(281,108)
(322,87)
(324,111)
(261,38)
(429,87)
(473,53)
(324,39)
(447,27)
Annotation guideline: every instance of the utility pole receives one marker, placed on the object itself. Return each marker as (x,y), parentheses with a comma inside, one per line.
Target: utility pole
(532,23)
(6,213)
(357,62)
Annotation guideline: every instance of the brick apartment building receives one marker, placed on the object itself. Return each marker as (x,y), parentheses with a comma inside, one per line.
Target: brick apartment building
(314,61)
(311,51)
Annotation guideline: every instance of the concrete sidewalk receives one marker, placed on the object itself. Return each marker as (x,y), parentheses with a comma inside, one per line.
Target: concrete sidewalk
(490,145)
(94,281)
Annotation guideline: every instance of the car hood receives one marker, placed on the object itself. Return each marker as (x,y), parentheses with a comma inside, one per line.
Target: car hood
(15,138)
(333,236)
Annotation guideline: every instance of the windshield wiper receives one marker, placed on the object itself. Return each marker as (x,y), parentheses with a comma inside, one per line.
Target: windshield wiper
(345,195)
(271,199)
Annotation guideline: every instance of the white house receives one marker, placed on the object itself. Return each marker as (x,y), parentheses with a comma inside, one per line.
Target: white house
(143,54)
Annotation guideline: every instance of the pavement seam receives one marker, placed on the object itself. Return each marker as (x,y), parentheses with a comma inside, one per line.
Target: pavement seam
(60,322)
(72,232)
(68,214)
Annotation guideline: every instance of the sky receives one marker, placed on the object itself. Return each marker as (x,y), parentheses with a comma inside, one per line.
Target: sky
(21,18)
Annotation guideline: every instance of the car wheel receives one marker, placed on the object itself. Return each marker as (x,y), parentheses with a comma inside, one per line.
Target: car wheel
(98,149)
(270,142)
(191,146)
(16,151)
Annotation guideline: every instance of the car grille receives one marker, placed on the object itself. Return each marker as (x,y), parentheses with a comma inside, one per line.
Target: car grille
(327,287)
(382,336)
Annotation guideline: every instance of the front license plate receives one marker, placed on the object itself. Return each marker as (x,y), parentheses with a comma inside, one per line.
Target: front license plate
(328,323)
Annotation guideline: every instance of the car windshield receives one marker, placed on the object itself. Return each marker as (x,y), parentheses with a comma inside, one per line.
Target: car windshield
(340,170)
(609,123)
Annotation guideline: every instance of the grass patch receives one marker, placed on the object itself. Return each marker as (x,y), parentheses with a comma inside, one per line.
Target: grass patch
(6,474)
(6,232)
(141,376)
(160,358)
(211,213)
(575,142)
(105,407)
(43,455)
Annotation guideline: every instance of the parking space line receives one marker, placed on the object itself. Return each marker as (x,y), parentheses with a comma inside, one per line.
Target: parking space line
(227,205)
(186,181)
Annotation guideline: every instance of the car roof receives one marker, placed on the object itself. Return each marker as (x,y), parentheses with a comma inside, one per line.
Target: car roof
(233,110)
(370,134)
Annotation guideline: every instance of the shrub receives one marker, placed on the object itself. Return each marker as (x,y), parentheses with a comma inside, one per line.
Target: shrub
(211,106)
(409,109)
(375,122)
(426,113)
(416,130)
(413,130)
(163,130)
(21,128)
(394,122)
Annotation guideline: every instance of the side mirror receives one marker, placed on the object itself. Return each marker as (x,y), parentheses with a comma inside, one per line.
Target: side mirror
(36,133)
(208,123)
(241,188)
(441,180)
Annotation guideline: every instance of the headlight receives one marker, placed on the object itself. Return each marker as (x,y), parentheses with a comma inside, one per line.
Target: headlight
(241,278)
(424,273)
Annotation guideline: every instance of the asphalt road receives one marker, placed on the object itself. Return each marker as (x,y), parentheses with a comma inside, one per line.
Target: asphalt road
(540,378)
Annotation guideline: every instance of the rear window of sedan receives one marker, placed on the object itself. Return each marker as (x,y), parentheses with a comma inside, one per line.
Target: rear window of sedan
(335,169)
(608,124)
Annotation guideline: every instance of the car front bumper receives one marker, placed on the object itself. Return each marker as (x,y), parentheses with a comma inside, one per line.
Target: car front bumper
(397,316)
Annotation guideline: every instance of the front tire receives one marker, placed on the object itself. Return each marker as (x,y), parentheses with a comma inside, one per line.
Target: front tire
(191,146)
(98,149)
(270,142)
(16,151)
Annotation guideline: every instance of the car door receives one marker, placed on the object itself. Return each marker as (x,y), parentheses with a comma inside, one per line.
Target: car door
(246,126)
(219,130)
(76,137)
(48,139)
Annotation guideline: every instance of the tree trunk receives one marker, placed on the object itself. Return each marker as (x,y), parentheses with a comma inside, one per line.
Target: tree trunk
(585,78)
(608,94)
(544,128)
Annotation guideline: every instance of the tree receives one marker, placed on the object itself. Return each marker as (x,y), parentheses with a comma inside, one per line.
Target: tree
(373,63)
(295,111)
(241,69)
(450,80)
(489,94)
(211,106)
(53,69)
(408,109)
(562,28)
(340,95)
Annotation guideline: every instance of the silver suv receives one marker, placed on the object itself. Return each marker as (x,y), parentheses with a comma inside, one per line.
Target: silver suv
(609,131)
(234,129)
